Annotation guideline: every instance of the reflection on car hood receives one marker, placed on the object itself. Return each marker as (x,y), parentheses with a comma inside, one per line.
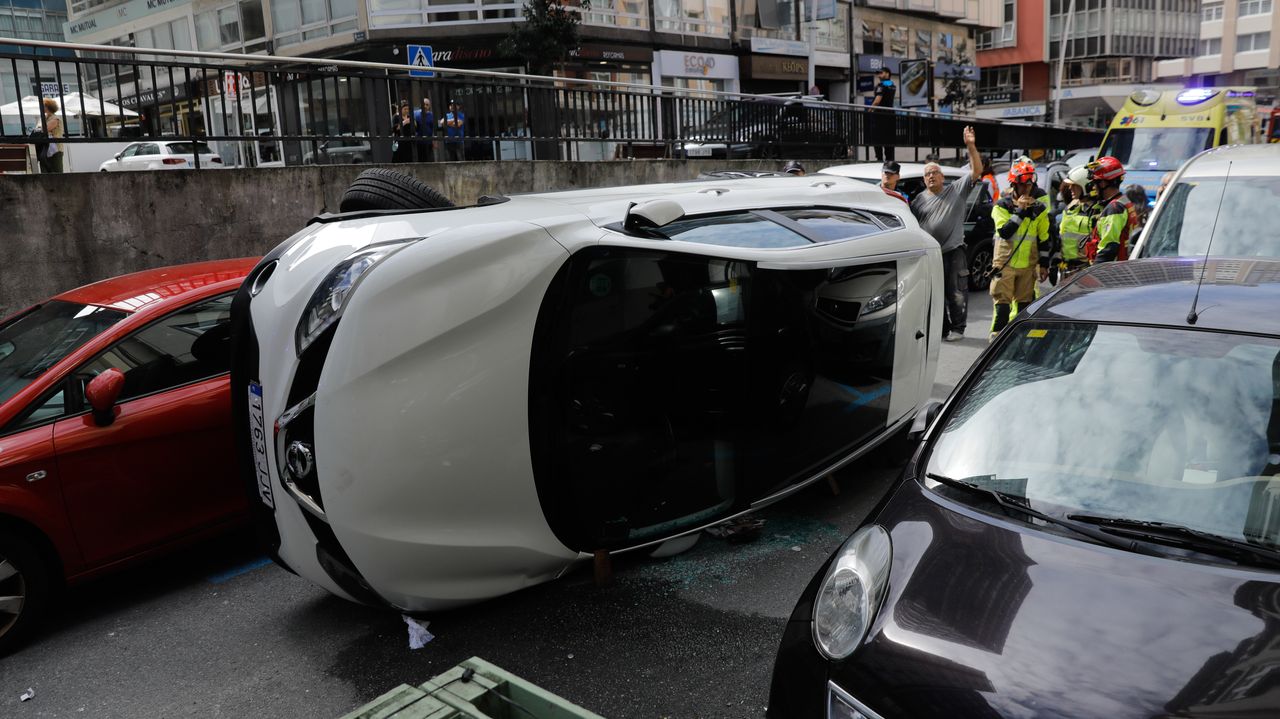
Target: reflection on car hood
(988,617)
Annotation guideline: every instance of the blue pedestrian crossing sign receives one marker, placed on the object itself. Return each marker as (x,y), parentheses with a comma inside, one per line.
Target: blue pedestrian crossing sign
(420,57)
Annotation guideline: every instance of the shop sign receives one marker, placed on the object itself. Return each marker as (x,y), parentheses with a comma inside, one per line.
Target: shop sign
(873,63)
(774,46)
(674,63)
(50,89)
(161,96)
(771,67)
(118,15)
(1000,98)
(1017,112)
(614,53)
(460,54)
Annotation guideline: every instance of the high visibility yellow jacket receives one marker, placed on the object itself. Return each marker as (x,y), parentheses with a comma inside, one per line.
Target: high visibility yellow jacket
(1074,230)
(1022,236)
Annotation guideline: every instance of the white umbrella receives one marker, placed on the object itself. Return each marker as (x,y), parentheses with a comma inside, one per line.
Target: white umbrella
(87,105)
(31,109)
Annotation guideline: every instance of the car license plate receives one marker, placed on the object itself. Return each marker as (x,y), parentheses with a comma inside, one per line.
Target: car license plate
(260,438)
(698,151)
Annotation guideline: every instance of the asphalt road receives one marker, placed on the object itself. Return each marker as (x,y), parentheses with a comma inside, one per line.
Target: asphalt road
(220,632)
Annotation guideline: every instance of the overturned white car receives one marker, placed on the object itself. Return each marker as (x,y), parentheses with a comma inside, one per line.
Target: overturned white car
(446,404)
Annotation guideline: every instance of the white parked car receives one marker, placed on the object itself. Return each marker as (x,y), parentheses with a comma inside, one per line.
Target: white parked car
(1227,193)
(163,155)
(442,404)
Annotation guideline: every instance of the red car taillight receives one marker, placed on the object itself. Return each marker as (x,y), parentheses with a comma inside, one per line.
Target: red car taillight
(174,161)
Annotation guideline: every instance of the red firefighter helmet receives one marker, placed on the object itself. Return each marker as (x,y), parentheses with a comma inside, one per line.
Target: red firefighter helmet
(1022,172)
(1105,168)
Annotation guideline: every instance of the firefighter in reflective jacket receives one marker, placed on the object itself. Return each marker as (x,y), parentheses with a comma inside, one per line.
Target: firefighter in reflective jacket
(1077,222)
(1117,220)
(1021,219)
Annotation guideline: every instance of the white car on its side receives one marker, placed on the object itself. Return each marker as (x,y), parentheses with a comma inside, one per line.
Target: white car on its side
(163,155)
(439,405)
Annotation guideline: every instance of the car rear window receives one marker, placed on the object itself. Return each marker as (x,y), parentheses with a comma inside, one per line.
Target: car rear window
(184,148)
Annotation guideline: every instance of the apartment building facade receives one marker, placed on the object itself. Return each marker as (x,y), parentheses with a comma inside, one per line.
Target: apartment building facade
(1081,56)
(1235,47)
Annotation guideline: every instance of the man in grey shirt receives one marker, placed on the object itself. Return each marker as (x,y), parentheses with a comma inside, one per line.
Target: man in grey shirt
(940,211)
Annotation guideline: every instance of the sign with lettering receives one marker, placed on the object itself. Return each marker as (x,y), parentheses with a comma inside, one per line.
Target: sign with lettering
(421,58)
(772,67)
(1000,98)
(677,63)
(117,15)
(50,89)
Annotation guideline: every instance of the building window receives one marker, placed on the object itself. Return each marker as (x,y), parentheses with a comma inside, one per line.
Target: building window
(616,13)
(1004,36)
(1212,46)
(237,28)
(1212,11)
(1253,41)
(872,38)
(693,17)
(296,21)
(995,80)
(1253,7)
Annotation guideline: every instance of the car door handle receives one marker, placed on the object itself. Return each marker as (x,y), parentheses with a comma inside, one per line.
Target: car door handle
(37,475)
(919,334)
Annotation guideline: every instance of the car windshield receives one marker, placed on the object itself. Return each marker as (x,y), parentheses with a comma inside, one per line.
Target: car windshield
(1151,424)
(36,341)
(1190,212)
(184,148)
(1156,149)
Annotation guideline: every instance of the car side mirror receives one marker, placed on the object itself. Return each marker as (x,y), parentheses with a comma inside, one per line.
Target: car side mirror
(118,154)
(102,393)
(924,418)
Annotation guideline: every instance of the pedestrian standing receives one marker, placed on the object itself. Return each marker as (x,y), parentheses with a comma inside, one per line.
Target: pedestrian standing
(455,132)
(1077,223)
(989,177)
(404,134)
(424,123)
(1022,249)
(51,157)
(882,121)
(940,210)
(890,173)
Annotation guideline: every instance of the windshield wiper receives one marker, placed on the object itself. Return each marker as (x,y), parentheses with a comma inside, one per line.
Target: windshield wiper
(1181,536)
(1019,504)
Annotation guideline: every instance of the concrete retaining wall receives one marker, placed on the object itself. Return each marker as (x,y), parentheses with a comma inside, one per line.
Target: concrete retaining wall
(62,231)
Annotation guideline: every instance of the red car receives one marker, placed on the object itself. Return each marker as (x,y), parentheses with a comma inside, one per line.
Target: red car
(115,430)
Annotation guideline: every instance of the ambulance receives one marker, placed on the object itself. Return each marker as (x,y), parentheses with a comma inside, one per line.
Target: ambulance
(1155,132)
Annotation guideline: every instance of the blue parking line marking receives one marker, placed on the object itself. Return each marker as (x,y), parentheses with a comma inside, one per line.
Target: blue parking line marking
(234,572)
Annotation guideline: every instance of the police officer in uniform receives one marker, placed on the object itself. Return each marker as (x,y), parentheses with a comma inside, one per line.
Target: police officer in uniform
(882,121)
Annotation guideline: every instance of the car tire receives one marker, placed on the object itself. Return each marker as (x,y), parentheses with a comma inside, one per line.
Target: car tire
(980,266)
(24,580)
(381,189)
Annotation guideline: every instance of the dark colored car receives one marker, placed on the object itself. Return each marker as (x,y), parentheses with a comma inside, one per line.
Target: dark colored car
(115,430)
(1090,527)
(796,128)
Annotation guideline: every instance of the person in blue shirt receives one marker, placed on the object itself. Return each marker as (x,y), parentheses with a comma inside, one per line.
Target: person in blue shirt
(424,122)
(455,132)
(882,121)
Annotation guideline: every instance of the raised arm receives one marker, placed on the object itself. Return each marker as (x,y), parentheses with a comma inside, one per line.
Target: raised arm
(975,160)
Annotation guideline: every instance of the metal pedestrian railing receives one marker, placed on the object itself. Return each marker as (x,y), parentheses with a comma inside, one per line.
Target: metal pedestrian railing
(254,110)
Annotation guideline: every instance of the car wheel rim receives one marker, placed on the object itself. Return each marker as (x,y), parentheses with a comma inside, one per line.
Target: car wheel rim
(13,595)
(981,267)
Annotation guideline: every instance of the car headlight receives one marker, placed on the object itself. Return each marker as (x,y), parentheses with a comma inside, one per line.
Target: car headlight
(851,592)
(330,298)
(880,301)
